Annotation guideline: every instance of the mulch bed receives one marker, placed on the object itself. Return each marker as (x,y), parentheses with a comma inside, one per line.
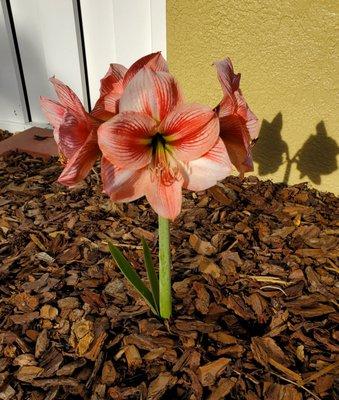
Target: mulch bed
(4,135)
(254,286)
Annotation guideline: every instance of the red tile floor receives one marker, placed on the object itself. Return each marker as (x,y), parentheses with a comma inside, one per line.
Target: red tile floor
(34,141)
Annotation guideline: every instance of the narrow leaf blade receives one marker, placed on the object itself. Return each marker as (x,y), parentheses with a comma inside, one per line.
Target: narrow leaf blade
(151,273)
(132,276)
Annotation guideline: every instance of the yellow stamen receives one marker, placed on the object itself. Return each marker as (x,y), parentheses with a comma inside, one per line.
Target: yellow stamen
(164,166)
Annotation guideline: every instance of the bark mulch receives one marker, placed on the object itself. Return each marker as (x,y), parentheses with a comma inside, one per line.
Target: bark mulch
(4,134)
(254,286)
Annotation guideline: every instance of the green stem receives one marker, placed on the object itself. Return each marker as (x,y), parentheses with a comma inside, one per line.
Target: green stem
(165,294)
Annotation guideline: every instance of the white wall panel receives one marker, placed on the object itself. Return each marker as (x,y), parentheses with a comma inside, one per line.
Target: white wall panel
(12,105)
(98,26)
(48,43)
(132,22)
(120,31)
(158,26)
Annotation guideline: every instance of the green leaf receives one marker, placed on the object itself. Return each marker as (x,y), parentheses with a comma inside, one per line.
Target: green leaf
(152,275)
(132,276)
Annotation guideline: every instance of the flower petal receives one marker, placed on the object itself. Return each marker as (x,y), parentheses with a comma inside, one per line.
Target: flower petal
(53,110)
(228,79)
(81,163)
(207,170)
(154,61)
(226,107)
(113,78)
(165,199)
(107,106)
(252,122)
(122,184)
(125,140)
(110,92)
(234,133)
(68,98)
(72,134)
(191,130)
(152,93)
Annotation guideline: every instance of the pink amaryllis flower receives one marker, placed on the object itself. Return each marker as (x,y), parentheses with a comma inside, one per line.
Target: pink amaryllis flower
(75,130)
(117,78)
(157,144)
(238,125)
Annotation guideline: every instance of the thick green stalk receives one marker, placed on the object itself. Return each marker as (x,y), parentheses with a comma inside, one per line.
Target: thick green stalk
(165,293)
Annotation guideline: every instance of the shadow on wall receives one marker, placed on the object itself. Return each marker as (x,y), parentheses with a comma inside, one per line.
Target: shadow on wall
(317,156)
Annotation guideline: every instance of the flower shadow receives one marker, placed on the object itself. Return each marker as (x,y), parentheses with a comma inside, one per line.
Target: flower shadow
(316,157)
(269,149)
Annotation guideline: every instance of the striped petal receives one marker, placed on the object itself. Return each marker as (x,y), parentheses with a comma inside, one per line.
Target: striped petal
(80,164)
(154,61)
(107,106)
(110,92)
(207,170)
(122,184)
(72,134)
(233,101)
(228,79)
(226,107)
(125,140)
(191,130)
(234,133)
(113,78)
(152,93)
(53,111)
(252,122)
(68,98)
(165,199)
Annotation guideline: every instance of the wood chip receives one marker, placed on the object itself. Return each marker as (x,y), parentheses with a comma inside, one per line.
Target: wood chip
(223,388)
(209,372)
(48,312)
(27,373)
(254,283)
(201,246)
(133,356)
(41,343)
(159,386)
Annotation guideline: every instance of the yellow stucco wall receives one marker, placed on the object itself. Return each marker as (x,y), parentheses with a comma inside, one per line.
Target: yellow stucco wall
(286,51)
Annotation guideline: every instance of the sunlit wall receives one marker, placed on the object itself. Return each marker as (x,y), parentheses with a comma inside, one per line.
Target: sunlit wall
(286,52)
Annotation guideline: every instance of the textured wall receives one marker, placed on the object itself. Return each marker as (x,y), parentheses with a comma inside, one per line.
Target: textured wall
(286,52)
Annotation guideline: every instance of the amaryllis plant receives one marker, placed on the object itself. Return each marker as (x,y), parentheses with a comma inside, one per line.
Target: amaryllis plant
(239,127)
(152,144)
